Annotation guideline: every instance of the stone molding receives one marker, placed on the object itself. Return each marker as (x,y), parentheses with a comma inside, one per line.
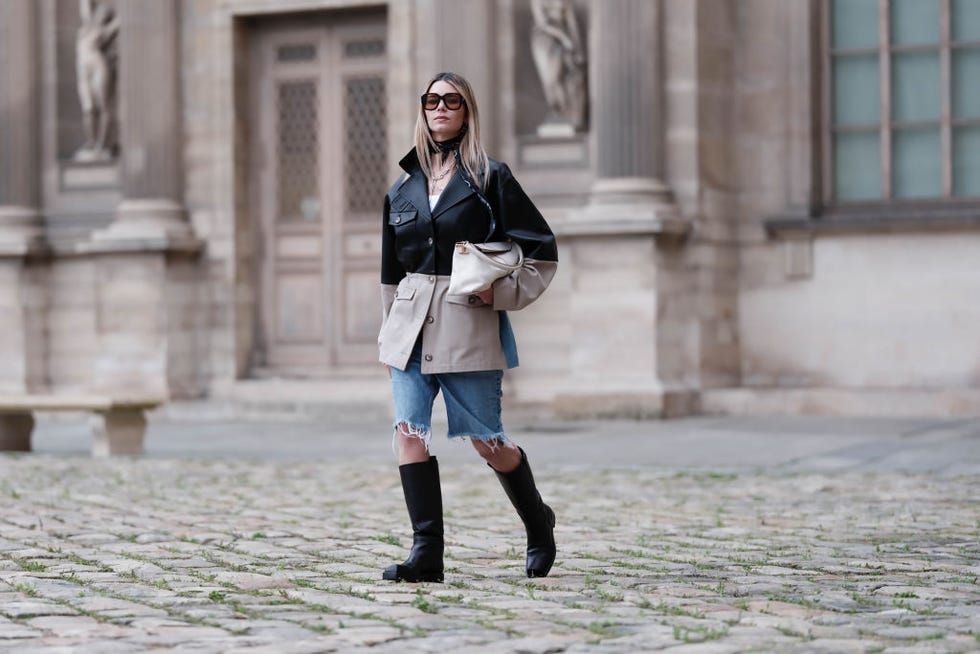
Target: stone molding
(146,225)
(874,221)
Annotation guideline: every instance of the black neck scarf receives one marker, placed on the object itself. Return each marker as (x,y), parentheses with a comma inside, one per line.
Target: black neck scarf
(449,146)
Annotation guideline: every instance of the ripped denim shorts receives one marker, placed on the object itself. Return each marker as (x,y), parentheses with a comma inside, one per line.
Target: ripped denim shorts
(472,401)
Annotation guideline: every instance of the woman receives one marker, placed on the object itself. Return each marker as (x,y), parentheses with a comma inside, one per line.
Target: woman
(432,341)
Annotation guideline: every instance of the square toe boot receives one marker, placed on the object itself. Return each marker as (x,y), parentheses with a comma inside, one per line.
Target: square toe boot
(423,497)
(538,518)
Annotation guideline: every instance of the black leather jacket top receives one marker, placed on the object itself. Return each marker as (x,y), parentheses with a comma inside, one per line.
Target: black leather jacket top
(417,240)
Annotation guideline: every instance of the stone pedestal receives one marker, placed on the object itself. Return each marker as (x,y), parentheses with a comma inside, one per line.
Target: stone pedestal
(630,306)
(118,432)
(146,308)
(23,323)
(15,432)
(628,292)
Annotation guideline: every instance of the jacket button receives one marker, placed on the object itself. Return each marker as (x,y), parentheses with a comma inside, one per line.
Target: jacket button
(430,320)
(432,278)
(428,357)
(398,219)
(429,240)
(471,299)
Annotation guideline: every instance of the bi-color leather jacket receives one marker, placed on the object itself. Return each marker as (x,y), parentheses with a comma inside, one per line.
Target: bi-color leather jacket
(459,332)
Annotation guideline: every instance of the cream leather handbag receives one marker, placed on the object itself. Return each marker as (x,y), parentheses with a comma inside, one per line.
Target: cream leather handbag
(477,265)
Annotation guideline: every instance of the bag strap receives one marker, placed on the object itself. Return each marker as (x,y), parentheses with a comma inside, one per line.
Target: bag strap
(479,193)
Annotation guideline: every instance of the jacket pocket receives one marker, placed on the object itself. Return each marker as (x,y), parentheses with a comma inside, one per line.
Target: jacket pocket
(399,218)
(404,292)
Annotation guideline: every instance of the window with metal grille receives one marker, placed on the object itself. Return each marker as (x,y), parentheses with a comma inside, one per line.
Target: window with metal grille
(298,148)
(366,144)
(368,48)
(296,52)
(902,99)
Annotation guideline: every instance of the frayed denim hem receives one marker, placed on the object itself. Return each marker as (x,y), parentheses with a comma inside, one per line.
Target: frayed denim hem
(493,441)
(423,433)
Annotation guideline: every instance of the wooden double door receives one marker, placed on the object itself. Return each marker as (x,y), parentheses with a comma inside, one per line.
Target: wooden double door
(318,174)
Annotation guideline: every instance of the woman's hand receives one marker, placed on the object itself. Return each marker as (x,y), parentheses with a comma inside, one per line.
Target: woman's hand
(486,296)
(388,368)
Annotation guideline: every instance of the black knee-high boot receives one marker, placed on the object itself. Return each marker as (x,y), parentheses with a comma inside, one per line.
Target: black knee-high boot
(539,519)
(423,496)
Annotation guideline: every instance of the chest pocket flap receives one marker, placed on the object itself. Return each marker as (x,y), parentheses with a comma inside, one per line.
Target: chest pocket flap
(404,292)
(398,218)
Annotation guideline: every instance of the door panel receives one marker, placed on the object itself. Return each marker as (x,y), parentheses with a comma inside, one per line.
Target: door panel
(298,320)
(362,90)
(319,176)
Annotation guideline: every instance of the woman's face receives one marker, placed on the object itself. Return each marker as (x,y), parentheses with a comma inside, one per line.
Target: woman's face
(444,123)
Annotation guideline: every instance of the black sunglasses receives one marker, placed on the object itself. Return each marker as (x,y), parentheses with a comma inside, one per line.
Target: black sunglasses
(431,100)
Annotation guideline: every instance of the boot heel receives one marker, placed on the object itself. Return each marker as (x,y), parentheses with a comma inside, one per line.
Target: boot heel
(432,577)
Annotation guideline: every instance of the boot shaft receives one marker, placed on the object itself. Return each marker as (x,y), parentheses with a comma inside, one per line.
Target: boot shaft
(523,494)
(423,496)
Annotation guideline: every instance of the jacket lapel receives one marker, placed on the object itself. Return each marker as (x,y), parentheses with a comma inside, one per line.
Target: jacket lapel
(414,190)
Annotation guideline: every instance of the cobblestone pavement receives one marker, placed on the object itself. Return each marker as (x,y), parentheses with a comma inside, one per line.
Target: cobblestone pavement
(238,555)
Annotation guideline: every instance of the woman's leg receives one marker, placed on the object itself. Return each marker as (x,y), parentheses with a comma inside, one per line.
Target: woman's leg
(413,394)
(538,518)
(501,456)
(412,446)
(473,408)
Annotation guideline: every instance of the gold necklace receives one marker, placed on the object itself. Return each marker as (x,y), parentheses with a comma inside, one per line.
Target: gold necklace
(436,178)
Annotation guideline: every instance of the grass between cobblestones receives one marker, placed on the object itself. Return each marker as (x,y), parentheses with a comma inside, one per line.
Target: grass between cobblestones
(141,554)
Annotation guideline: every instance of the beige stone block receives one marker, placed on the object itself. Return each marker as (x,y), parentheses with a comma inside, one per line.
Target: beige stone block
(118,432)
(760,113)
(868,318)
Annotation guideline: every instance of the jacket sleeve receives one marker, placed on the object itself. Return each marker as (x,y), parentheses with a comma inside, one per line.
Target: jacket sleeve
(392,271)
(521,222)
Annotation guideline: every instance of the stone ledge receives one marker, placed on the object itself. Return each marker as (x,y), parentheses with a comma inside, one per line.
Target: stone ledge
(668,226)
(875,221)
(635,404)
(821,401)
(29,249)
(76,402)
(169,244)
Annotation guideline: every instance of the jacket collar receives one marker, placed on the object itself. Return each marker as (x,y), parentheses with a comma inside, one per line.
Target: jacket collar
(416,190)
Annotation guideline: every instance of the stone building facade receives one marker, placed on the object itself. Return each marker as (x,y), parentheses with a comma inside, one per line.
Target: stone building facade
(761,205)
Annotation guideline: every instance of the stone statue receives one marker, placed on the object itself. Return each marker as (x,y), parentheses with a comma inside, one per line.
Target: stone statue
(559,57)
(95,65)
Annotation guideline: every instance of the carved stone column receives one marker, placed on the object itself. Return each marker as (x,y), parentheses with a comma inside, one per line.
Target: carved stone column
(627,115)
(149,127)
(145,259)
(20,221)
(22,292)
(630,296)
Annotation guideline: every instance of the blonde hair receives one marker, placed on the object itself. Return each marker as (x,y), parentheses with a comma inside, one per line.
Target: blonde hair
(471,153)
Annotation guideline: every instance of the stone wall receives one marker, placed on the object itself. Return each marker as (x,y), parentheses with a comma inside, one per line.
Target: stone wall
(72,323)
(872,322)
